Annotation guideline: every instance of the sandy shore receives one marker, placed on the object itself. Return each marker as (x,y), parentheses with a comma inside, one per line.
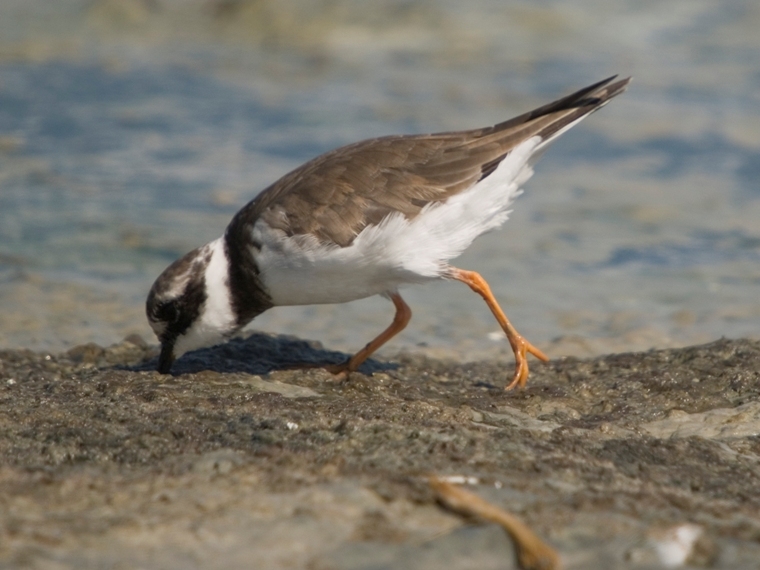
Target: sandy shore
(236,463)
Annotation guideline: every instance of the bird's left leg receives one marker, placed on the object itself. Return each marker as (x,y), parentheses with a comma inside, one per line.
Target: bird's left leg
(400,320)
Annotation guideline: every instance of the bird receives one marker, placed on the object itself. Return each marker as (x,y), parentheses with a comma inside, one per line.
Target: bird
(364,219)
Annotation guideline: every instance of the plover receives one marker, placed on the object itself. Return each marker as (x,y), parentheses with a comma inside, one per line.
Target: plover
(361,220)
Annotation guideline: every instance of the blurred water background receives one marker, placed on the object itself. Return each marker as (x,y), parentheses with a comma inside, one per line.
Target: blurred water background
(132,130)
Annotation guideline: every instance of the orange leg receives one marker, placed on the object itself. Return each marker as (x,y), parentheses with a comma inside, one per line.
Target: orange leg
(400,320)
(520,346)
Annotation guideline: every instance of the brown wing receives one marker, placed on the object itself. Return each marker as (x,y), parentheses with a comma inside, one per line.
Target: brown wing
(336,195)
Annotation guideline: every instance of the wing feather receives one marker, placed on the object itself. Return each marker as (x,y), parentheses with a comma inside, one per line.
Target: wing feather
(336,195)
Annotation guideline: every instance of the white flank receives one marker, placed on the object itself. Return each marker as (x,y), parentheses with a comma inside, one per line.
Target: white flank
(300,271)
(216,317)
(442,231)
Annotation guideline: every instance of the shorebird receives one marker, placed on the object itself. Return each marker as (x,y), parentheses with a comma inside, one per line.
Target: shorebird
(361,220)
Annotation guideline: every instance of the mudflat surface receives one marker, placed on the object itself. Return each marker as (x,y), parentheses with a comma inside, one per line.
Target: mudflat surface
(235,462)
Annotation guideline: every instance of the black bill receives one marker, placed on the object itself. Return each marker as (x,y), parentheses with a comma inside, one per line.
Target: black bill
(166,359)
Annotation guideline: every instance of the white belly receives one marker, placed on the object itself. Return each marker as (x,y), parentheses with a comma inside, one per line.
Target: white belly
(300,271)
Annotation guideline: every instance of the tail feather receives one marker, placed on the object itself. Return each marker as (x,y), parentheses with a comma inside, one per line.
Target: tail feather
(582,102)
(550,121)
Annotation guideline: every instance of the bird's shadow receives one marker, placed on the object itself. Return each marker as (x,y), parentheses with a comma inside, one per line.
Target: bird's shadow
(260,353)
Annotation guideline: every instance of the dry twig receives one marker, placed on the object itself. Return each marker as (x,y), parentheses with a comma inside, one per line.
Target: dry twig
(532,552)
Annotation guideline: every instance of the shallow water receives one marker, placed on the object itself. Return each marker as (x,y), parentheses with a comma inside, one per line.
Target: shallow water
(131,132)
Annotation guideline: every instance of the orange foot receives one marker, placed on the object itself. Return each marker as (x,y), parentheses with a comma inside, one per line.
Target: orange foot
(521,348)
(340,371)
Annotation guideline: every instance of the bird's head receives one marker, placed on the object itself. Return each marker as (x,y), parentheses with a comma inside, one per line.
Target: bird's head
(188,306)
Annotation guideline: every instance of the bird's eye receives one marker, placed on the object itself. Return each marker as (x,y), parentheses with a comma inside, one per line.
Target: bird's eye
(167,312)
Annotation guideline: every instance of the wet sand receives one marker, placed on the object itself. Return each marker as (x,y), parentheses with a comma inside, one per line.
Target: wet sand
(234,462)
